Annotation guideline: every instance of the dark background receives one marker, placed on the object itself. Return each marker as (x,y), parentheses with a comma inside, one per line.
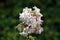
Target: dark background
(9,18)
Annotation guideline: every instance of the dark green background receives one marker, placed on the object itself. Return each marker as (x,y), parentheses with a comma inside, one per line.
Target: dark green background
(9,18)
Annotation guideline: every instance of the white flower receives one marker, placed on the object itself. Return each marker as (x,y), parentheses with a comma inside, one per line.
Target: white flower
(36,9)
(23,33)
(31,18)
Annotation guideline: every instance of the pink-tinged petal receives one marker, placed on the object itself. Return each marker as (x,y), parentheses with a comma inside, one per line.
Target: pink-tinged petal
(39,31)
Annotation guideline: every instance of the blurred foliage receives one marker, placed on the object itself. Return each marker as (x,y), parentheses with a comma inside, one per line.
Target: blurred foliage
(9,18)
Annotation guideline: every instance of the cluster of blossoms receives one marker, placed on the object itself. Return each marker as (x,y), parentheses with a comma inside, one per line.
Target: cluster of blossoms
(31,21)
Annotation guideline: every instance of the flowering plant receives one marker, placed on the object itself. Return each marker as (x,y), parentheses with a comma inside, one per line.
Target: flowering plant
(31,22)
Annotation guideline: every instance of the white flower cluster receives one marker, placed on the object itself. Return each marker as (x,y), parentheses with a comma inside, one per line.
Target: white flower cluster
(31,21)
